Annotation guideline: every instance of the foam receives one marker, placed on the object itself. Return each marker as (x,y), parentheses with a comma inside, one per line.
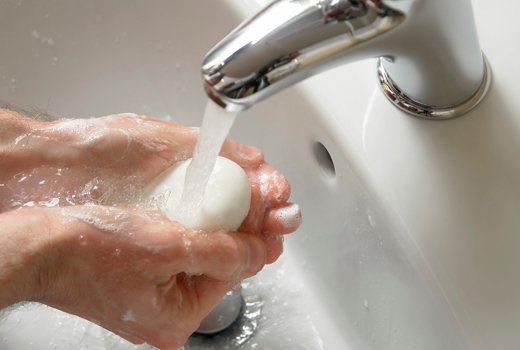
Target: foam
(289,216)
(108,220)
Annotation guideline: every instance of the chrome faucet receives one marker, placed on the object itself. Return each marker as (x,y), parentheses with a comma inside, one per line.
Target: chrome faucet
(430,62)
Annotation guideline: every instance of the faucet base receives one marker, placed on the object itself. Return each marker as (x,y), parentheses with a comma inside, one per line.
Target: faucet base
(407,104)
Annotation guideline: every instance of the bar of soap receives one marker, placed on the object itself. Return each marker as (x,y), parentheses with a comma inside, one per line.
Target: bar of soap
(226,200)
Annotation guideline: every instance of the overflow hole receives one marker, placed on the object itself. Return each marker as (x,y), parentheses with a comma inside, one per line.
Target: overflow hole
(324,159)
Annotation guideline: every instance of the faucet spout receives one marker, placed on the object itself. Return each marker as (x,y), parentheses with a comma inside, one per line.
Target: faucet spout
(291,40)
(287,42)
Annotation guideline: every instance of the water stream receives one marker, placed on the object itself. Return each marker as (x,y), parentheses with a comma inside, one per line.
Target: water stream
(214,129)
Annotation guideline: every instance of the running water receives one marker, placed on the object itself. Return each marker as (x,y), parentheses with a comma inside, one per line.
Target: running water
(214,129)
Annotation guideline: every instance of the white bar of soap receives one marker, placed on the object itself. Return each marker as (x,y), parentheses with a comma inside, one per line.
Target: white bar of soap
(226,201)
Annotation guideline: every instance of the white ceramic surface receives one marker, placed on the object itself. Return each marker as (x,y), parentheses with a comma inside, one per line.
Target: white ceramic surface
(411,242)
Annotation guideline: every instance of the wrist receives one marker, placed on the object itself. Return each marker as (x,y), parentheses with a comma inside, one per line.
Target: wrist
(25,253)
(13,124)
(25,144)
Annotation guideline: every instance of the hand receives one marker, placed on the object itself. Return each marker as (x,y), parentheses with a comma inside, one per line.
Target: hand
(108,160)
(85,161)
(140,275)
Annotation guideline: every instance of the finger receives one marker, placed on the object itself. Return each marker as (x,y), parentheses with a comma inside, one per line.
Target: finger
(210,291)
(274,245)
(224,256)
(200,294)
(243,155)
(273,187)
(269,189)
(283,220)
(133,120)
(231,149)
(167,123)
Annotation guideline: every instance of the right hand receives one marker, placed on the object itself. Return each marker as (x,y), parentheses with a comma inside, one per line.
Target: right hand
(139,275)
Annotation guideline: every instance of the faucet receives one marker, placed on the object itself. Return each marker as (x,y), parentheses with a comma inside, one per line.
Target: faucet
(429,59)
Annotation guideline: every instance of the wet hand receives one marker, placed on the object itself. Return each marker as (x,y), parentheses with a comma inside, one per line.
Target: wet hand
(108,160)
(139,275)
(142,276)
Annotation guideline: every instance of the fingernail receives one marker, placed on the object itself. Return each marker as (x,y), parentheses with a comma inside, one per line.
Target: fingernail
(283,220)
(248,152)
(290,217)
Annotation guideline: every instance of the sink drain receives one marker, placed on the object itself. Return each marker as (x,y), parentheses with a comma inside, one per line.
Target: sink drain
(237,334)
(227,311)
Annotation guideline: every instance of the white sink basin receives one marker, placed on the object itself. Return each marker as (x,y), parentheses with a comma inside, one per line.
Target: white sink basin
(411,228)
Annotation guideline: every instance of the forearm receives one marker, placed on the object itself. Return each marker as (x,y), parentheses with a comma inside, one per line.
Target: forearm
(23,249)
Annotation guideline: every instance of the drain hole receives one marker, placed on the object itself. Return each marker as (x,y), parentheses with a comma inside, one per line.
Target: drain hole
(237,334)
(324,159)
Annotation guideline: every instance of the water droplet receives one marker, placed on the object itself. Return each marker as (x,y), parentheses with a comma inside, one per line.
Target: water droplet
(53,202)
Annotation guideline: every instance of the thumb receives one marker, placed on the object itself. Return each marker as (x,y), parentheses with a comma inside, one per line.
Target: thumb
(243,155)
(224,256)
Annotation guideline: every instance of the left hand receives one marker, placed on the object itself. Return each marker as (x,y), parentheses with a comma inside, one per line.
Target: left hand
(108,160)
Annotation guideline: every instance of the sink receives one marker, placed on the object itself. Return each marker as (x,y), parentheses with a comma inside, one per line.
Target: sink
(410,232)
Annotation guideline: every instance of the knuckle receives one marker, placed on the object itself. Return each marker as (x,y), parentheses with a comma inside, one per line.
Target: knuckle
(230,256)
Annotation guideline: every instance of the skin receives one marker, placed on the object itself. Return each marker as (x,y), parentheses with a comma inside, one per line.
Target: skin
(103,255)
